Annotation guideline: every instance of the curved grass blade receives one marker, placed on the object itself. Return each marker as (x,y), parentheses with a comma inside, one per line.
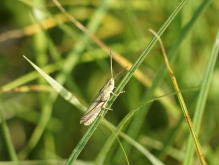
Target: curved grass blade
(105,149)
(115,135)
(144,151)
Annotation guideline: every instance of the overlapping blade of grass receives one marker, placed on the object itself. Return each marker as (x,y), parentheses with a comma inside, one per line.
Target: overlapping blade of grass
(105,149)
(138,119)
(138,146)
(108,144)
(202,99)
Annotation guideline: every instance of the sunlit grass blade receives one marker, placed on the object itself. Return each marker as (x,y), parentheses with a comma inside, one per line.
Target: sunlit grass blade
(60,89)
(25,88)
(30,76)
(182,103)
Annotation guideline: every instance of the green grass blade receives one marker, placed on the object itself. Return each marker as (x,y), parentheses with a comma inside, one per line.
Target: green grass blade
(202,98)
(8,140)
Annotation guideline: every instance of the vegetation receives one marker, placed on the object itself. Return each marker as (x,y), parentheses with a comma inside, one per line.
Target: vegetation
(66,48)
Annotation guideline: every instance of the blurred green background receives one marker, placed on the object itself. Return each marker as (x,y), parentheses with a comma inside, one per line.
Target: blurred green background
(43,126)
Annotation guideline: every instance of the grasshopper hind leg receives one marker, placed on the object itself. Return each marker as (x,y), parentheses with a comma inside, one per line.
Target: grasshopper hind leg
(105,107)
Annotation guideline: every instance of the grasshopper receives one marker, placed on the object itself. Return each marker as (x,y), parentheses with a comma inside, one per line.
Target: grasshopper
(100,100)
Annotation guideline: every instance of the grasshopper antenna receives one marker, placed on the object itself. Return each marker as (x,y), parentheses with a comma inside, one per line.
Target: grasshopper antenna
(121,71)
(111,63)
(111,57)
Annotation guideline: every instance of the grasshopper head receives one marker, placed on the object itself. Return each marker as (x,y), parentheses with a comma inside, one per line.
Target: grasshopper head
(111,84)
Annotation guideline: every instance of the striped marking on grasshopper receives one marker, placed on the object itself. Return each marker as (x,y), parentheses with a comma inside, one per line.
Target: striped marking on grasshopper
(100,100)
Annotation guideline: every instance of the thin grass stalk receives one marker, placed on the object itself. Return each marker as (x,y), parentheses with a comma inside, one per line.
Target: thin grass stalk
(182,103)
(202,98)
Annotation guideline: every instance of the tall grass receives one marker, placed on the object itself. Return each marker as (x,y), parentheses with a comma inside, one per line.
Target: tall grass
(40,127)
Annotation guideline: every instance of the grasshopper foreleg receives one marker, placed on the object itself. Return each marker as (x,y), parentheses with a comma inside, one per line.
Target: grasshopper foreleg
(118,93)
